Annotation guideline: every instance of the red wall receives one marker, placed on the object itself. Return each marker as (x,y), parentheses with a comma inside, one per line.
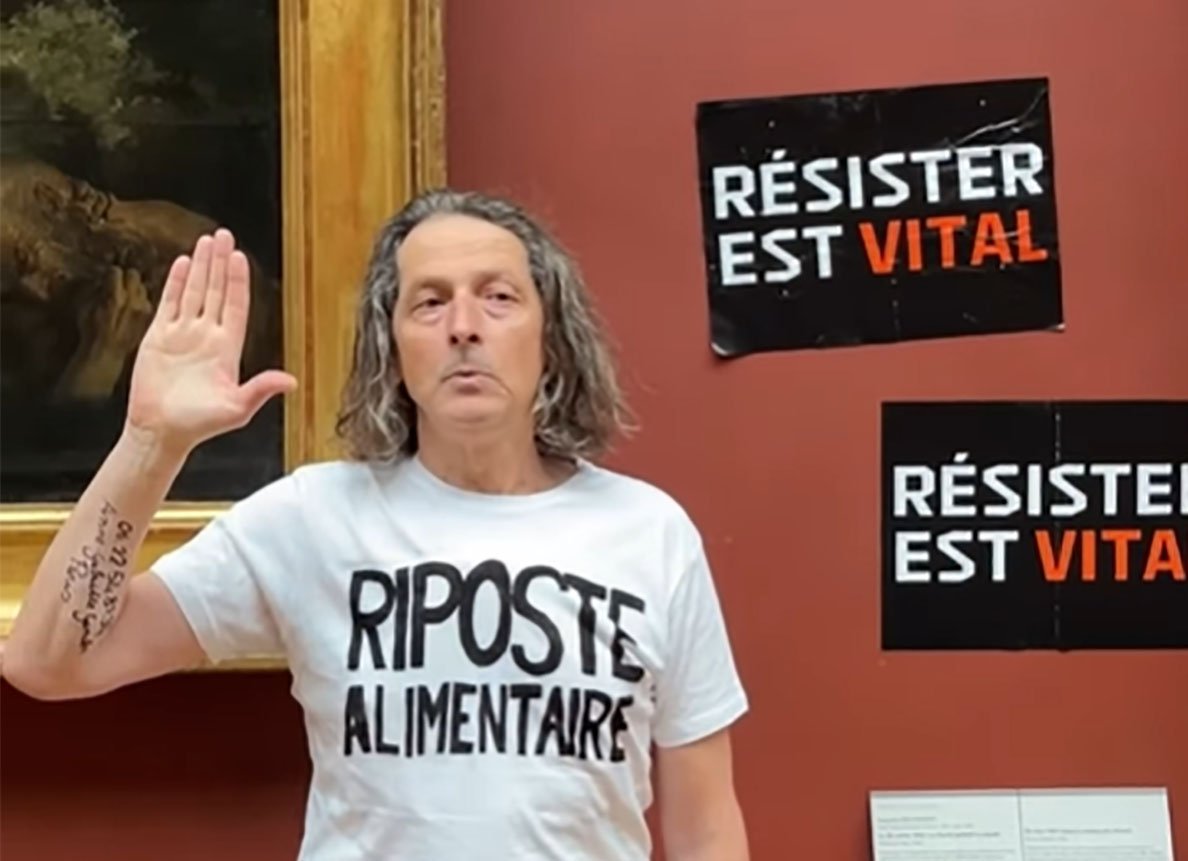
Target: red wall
(186,768)
(585,112)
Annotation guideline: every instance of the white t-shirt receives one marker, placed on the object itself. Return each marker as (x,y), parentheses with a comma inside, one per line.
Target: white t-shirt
(482,676)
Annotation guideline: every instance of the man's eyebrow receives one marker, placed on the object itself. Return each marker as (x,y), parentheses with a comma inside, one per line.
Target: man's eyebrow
(430,283)
(486,276)
(505,275)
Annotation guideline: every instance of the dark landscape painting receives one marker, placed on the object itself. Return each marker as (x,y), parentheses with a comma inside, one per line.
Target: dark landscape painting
(128,128)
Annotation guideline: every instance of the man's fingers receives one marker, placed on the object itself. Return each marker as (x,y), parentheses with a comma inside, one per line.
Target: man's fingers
(238,298)
(137,292)
(266,384)
(170,304)
(194,293)
(216,282)
(119,295)
(118,289)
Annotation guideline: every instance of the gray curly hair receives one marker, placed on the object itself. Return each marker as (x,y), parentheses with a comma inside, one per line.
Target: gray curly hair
(579,406)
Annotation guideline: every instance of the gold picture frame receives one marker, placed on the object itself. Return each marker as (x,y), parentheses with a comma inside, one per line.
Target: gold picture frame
(362,130)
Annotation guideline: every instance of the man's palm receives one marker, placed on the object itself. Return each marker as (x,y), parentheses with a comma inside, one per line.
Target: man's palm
(185,384)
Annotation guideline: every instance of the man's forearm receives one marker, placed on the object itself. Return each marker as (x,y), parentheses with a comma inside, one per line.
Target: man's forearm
(80,583)
(724,839)
(717,849)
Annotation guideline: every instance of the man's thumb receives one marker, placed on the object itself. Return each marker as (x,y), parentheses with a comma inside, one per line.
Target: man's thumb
(263,386)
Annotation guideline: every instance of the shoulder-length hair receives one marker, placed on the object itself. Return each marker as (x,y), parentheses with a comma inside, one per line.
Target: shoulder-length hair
(579,405)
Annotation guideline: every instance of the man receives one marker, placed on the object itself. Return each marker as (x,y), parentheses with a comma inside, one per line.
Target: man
(80,274)
(487,632)
(79,270)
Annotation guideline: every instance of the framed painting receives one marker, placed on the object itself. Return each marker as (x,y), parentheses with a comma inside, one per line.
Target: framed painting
(127,129)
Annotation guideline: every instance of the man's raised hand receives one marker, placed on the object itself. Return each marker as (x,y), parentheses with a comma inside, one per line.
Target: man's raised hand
(185,383)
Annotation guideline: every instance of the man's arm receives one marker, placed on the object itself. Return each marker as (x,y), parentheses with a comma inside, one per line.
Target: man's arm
(700,816)
(65,641)
(85,625)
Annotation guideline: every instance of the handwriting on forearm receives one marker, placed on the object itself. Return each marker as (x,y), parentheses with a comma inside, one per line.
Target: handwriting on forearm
(94,578)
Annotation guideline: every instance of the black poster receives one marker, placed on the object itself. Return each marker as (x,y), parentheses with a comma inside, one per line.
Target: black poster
(877,216)
(1035,525)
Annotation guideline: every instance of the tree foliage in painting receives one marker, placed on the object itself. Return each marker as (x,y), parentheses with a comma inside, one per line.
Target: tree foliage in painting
(79,56)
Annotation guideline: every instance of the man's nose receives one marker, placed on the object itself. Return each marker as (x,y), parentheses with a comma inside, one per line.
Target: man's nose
(462,321)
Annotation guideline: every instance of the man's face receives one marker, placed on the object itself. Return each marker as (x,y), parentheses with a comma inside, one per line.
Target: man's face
(48,249)
(468,325)
(60,236)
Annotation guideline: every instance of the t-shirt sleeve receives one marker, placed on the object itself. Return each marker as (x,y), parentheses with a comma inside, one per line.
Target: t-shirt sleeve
(217,576)
(699,690)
